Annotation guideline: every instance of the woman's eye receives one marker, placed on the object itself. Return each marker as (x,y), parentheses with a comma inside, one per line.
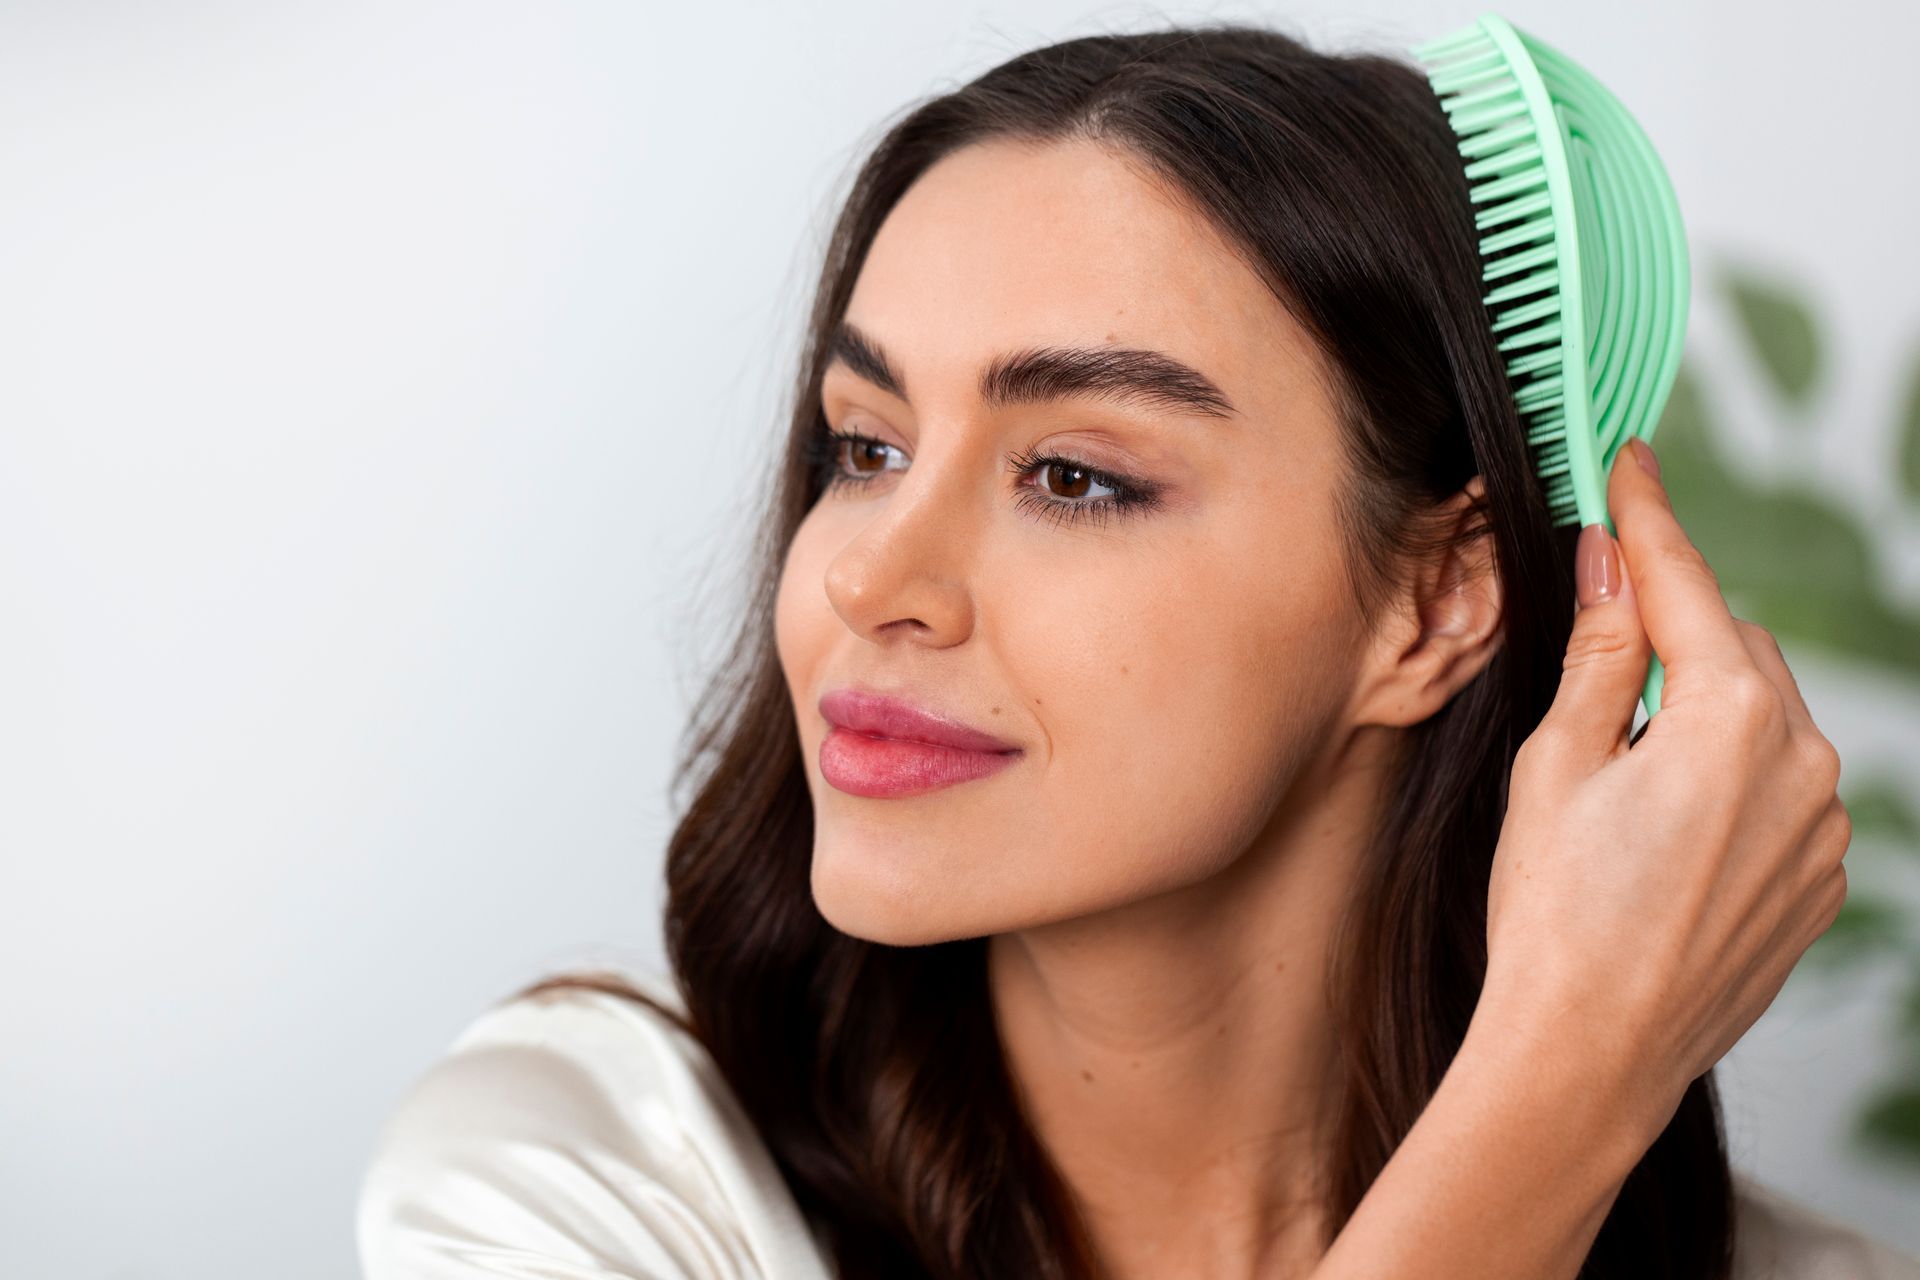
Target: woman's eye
(864,452)
(1059,492)
(1073,479)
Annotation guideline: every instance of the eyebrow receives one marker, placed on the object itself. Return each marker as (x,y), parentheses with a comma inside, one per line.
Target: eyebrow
(1037,374)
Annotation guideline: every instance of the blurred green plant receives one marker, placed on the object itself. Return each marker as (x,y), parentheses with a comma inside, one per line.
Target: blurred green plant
(1806,568)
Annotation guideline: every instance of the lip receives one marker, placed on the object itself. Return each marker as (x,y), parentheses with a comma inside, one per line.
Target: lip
(883,747)
(880,716)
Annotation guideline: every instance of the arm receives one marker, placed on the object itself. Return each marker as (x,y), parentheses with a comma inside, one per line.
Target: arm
(1510,1169)
(1648,898)
(574,1135)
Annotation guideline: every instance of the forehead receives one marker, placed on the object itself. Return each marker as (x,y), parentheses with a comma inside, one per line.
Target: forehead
(1008,243)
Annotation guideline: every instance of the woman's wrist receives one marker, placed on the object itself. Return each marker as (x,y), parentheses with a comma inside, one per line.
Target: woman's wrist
(1513,1165)
(1569,1051)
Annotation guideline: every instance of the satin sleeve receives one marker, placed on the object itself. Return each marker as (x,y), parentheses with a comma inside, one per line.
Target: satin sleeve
(575,1136)
(1778,1237)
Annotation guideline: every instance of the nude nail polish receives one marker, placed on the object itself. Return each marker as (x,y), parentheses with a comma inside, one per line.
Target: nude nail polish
(1596,566)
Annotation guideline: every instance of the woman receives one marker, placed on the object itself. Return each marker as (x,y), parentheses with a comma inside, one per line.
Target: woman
(1162,815)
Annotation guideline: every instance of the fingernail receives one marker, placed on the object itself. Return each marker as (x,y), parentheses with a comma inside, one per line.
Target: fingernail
(1643,454)
(1596,566)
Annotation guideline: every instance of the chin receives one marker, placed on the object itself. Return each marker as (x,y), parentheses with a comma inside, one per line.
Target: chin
(864,897)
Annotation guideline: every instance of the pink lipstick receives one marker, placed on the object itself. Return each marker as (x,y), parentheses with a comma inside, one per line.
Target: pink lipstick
(884,747)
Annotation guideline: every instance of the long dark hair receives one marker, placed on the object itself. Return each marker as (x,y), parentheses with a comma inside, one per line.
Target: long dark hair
(874,1073)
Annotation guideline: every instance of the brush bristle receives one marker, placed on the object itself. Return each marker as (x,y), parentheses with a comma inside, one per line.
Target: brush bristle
(1518,254)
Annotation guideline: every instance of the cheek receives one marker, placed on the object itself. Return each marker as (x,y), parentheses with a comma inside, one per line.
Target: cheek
(1178,698)
(1167,688)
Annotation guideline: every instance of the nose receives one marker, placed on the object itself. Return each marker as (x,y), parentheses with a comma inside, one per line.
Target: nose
(907,571)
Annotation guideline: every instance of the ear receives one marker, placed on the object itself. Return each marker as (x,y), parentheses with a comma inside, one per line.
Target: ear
(1442,630)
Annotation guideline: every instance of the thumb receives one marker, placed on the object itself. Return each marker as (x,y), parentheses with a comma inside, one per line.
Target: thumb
(1607,653)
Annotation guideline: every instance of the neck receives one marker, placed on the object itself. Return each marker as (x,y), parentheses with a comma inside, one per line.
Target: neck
(1176,1055)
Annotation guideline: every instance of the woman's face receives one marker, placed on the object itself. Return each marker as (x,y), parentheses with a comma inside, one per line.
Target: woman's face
(1166,668)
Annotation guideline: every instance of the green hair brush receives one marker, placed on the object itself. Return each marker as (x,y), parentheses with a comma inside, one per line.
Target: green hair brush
(1582,246)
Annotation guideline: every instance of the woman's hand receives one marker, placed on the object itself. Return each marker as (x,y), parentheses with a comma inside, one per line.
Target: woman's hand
(1649,900)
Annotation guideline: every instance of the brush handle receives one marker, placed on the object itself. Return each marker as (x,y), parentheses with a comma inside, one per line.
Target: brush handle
(1656,670)
(1650,692)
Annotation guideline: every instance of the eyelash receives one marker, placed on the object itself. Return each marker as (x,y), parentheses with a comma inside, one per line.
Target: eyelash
(1129,496)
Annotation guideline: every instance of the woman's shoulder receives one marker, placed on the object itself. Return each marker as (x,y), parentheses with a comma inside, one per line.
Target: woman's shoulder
(578,1131)
(1780,1238)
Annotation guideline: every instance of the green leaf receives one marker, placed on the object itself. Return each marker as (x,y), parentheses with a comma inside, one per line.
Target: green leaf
(1779,327)
(1891,1121)
(1802,566)
(1910,433)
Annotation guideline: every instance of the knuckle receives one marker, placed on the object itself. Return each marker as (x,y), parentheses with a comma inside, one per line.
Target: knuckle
(1679,556)
(1822,763)
(1755,632)
(1824,851)
(1750,700)
(1594,644)
(1542,750)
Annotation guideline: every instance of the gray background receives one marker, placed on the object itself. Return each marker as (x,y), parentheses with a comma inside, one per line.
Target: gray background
(384,390)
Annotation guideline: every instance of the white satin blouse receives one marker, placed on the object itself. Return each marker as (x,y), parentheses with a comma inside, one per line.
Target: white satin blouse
(579,1136)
